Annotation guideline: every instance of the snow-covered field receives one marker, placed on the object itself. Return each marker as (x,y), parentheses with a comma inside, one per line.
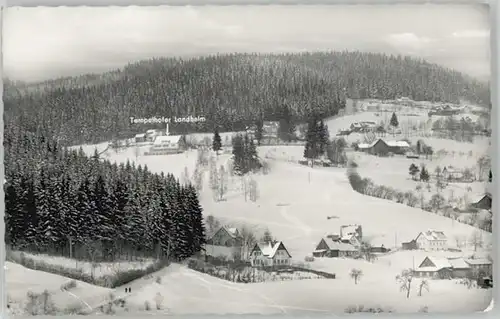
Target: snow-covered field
(294,202)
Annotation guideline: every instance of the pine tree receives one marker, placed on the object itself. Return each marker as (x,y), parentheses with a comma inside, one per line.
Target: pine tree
(324,137)
(424,174)
(286,128)
(394,122)
(252,156)
(217,142)
(313,142)
(490,176)
(238,155)
(195,212)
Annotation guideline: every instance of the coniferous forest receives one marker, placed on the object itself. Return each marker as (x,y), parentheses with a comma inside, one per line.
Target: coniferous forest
(62,202)
(231,91)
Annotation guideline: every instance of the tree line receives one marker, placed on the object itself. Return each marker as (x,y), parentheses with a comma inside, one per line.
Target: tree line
(230,90)
(62,202)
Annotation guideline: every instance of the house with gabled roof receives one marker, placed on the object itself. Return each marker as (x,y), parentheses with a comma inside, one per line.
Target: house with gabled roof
(443,268)
(332,246)
(433,267)
(270,254)
(226,236)
(432,240)
(225,242)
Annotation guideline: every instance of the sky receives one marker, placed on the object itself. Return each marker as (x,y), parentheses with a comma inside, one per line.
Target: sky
(47,42)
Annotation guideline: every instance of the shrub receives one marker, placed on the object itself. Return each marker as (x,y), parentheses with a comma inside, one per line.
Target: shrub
(69,285)
(361,308)
(158,280)
(309,258)
(40,304)
(147,305)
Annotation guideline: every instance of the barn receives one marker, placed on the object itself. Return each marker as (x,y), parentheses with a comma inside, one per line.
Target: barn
(484,202)
(383,148)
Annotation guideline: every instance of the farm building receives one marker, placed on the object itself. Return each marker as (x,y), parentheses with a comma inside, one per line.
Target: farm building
(379,249)
(168,144)
(484,202)
(449,173)
(140,138)
(225,242)
(442,268)
(270,255)
(383,148)
(411,245)
(432,240)
(480,264)
(332,246)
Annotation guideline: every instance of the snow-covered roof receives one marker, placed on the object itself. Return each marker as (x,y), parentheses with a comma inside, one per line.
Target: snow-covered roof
(439,263)
(478,261)
(397,143)
(364,145)
(167,139)
(233,231)
(150,131)
(348,230)
(337,245)
(458,263)
(140,135)
(268,249)
(434,235)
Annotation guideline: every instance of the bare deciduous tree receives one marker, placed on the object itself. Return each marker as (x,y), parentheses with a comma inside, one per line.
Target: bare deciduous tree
(356,274)
(222,181)
(424,284)
(476,240)
(404,280)
(185,180)
(253,190)
(249,240)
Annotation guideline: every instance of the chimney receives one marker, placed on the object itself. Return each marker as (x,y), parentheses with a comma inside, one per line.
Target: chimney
(167,132)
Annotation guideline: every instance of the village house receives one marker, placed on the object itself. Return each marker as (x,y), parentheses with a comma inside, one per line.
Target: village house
(168,144)
(452,174)
(225,242)
(442,268)
(270,254)
(331,246)
(384,148)
(140,138)
(483,202)
(432,240)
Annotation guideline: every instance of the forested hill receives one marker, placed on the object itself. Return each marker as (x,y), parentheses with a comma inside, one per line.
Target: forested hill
(231,90)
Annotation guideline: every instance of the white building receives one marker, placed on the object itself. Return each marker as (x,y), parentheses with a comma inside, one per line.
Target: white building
(270,254)
(432,240)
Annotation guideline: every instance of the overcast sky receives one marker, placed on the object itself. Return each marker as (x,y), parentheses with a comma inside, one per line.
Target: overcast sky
(41,43)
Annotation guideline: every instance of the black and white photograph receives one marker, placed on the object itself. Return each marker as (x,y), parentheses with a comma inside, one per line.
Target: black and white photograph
(247,159)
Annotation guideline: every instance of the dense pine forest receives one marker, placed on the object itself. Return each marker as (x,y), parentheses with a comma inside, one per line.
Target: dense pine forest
(62,202)
(231,91)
